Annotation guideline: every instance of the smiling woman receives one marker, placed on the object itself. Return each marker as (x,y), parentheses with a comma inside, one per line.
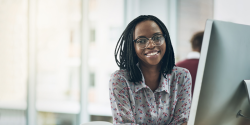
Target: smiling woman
(148,88)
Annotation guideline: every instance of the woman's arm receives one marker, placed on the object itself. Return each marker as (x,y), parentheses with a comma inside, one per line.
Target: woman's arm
(183,105)
(120,103)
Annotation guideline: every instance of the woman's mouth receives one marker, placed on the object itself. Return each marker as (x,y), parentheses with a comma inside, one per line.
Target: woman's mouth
(152,54)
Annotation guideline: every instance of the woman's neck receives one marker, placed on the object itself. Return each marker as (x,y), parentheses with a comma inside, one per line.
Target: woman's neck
(151,75)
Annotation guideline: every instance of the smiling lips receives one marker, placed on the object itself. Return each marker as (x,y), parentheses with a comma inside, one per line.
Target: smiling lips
(152,53)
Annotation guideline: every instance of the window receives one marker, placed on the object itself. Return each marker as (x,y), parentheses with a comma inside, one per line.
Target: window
(58,61)
(13,64)
(106,25)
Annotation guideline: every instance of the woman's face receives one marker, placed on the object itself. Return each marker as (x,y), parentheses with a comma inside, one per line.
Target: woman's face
(152,54)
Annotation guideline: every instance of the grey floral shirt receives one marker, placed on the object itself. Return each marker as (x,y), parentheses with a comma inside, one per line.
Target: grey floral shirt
(136,104)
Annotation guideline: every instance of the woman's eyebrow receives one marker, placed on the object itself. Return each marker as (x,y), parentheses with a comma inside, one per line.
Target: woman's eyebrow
(146,37)
(141,37)
(157,33)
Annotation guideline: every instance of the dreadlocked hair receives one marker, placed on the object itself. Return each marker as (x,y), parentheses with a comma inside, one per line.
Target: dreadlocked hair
(125,55)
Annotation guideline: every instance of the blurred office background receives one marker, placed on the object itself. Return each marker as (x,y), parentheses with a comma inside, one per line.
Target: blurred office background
(56,56)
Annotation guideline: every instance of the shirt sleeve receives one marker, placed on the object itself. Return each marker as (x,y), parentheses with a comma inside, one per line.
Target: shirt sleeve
(120,102)
(182,109)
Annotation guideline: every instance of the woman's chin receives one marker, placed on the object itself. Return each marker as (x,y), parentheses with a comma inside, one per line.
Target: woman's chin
(153,63)
(150,62)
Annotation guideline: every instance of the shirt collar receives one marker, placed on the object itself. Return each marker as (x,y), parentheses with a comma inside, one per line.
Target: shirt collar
(193,55)
(163,85)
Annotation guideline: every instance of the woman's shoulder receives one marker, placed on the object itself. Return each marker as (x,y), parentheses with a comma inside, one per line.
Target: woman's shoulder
(180,71)
(122,73)
(180,77)
(119,80)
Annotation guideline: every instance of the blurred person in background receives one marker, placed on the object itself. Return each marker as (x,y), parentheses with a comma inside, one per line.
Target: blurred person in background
(148,88)
(192,60)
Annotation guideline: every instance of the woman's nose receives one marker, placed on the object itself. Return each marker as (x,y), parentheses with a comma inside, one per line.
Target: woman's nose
(151,44)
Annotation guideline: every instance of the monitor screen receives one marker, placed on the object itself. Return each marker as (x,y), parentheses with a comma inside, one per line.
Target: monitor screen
(219,91)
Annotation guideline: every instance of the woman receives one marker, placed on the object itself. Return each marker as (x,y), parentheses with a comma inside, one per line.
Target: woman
(148,89)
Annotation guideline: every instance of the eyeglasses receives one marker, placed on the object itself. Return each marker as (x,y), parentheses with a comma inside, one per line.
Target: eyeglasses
(142,43)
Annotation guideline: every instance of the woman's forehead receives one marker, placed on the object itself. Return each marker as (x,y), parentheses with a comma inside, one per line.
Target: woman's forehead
(146,28)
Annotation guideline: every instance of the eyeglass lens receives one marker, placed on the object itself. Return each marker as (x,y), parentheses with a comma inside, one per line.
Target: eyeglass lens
(157,40)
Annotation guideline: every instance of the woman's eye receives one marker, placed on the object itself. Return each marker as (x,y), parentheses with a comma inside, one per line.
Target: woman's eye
(157,38)
(142,41)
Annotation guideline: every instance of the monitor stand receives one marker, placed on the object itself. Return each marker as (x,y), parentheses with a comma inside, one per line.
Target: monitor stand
(247,85)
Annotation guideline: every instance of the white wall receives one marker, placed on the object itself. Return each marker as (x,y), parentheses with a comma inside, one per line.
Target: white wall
(236,11)
(158,8)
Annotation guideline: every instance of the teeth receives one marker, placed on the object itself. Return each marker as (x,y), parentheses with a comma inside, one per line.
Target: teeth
(151,54)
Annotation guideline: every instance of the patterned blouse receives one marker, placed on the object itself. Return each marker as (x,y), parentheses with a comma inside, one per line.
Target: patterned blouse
(136,104)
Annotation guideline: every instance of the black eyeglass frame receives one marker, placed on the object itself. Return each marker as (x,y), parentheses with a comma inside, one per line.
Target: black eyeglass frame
(164,35)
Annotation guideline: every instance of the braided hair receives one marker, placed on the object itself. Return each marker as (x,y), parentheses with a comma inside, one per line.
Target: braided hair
(125,55)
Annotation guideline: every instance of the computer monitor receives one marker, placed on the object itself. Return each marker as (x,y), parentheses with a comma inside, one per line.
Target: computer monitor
(219,91)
